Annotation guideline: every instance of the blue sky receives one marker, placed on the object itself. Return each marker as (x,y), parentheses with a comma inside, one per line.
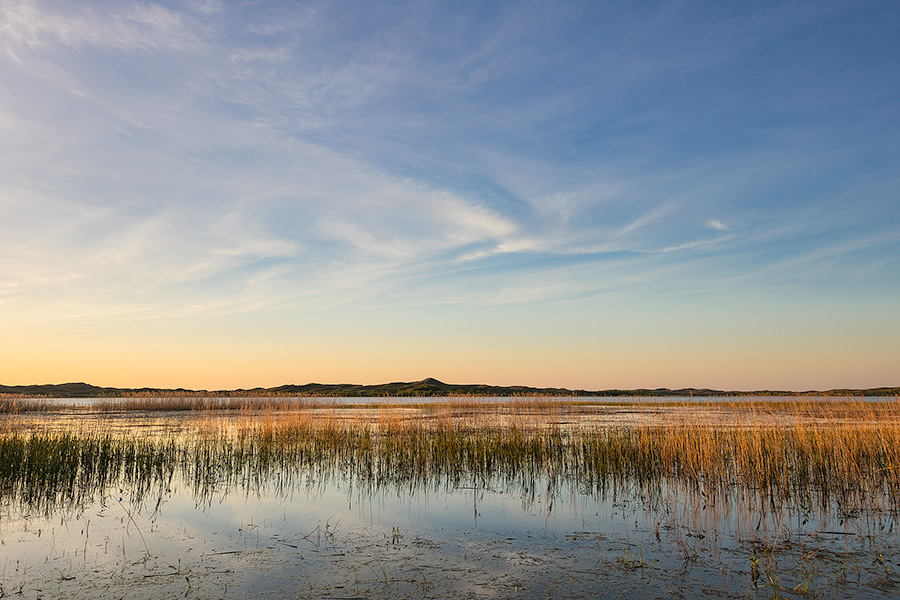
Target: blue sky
(583,194)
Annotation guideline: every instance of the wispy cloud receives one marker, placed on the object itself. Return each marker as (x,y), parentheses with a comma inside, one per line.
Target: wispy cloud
(221,157)
(123,27)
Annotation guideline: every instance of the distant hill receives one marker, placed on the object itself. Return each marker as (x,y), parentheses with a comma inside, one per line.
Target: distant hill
(426,387)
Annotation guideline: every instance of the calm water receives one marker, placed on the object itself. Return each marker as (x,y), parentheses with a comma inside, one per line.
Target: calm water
(350,401)
(331,540)
(320,534)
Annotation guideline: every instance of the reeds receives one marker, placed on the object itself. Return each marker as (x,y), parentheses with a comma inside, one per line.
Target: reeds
(13,404)
(831,457)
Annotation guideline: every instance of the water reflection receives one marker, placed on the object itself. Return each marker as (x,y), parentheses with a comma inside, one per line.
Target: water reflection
(317,509)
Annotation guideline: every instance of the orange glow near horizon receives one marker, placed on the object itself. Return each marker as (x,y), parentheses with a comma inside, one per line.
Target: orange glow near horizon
(211,362)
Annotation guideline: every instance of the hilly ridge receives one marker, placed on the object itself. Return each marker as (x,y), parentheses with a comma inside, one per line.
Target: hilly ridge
(425,387)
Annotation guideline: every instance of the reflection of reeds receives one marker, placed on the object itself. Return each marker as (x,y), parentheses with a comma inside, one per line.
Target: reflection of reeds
(56,469)
(833,456)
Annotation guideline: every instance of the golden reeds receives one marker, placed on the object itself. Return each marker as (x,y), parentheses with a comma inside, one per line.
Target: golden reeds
(839,457)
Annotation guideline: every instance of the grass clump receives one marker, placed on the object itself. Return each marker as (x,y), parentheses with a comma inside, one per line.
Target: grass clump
(14,404)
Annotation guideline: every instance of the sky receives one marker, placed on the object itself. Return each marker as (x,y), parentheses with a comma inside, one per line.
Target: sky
(590,195)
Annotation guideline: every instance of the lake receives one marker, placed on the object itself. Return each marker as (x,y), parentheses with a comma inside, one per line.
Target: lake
(506,499)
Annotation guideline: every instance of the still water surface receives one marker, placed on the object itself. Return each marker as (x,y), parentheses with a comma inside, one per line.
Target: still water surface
(321,534)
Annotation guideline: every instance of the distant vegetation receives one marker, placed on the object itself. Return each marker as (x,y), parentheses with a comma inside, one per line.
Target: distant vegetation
(426,387)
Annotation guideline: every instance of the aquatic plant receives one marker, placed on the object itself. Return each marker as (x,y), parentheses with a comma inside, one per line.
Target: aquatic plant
(834,457)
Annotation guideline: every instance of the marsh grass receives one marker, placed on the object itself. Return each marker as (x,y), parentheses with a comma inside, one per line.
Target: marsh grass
(838,458)
(11,404)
